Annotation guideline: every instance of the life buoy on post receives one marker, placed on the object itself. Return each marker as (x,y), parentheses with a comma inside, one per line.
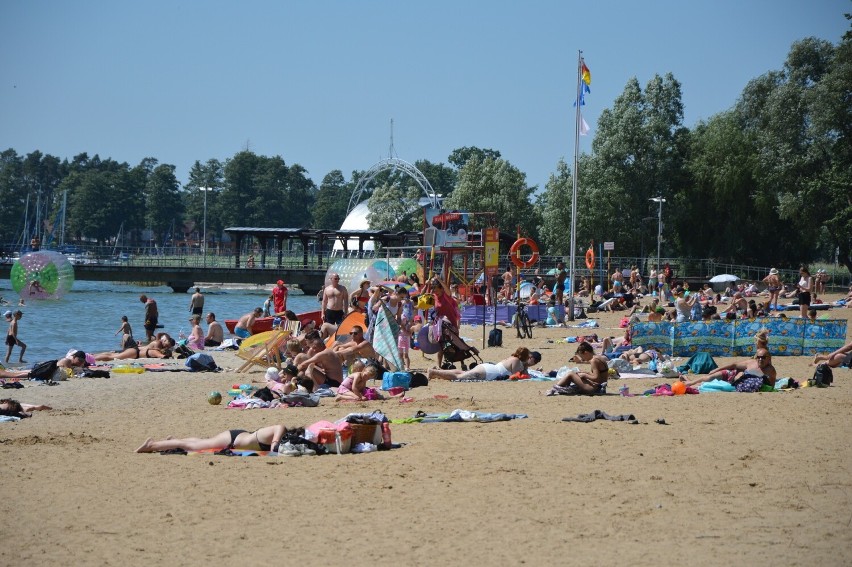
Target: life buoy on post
(590,259)
(514,253)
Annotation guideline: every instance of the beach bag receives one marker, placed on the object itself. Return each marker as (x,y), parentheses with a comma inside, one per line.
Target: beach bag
(495,338)
(43,370)
(201,362)
(823,376)
(336,438)
(396,380)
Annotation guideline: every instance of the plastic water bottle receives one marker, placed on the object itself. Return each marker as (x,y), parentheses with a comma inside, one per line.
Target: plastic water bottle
(181,335)
(653,365)
(386,436)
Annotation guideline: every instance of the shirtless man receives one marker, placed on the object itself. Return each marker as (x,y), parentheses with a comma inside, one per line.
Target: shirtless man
(754,371)
(587,383)
(357,347)
(323,366)
(196,302)
(152,316)
(334,297)
(739,304)
(215,332)
(243,327)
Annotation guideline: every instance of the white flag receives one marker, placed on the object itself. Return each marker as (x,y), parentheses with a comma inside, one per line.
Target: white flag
(584,128)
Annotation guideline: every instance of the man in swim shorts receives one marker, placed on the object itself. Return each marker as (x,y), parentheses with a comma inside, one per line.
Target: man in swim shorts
(243,327)
(333,303)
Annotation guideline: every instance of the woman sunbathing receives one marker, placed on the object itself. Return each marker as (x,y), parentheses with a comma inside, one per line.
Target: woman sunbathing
(264,439)
(522,359)
(161,347)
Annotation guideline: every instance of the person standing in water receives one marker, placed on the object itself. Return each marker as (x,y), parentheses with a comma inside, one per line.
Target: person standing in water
(12,336)
(196,302)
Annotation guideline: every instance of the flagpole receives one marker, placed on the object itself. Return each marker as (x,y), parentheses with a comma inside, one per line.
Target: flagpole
(577,118)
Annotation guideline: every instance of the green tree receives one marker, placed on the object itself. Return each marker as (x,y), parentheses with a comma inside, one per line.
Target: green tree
(555,207)
(495,185)
(443,179)
(392,207)
(460,156)
(332,199)
(163,205)
(205,182)
(639,153)
(238,189)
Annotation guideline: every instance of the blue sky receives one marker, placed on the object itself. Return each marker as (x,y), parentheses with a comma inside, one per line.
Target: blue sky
(318,82)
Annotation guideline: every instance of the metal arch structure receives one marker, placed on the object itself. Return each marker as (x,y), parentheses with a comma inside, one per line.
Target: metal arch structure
(394,164)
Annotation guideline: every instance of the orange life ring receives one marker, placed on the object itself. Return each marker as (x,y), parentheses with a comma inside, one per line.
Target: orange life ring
(590,259)
(515,256)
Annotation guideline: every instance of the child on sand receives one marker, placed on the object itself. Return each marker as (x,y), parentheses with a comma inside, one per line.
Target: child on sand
(354,387)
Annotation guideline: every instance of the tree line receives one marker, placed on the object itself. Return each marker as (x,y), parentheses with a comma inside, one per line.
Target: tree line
(767,182)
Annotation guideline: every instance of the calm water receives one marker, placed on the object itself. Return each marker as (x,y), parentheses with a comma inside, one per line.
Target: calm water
(88,316)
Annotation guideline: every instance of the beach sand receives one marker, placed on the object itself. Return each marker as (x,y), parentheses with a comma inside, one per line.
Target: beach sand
(762,479)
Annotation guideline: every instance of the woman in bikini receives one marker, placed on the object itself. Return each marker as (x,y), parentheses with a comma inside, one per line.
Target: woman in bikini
(773,286)
(520,360)
(358,299)
(161,347)
(264,439)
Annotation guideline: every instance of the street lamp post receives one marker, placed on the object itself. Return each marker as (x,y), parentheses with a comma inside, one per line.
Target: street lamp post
(659,200)
(204,237)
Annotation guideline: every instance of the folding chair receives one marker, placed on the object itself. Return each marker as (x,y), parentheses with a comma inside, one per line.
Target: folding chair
(263,349)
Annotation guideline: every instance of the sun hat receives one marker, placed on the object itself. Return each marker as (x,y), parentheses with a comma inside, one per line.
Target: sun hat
(365,280)
(773,271)
(272,374)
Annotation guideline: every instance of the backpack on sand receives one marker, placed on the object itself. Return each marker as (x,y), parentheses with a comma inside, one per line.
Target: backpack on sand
(823,376)
(495,338)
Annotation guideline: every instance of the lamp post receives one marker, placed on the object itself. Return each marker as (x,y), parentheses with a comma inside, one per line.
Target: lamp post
(659,200)
(204,237)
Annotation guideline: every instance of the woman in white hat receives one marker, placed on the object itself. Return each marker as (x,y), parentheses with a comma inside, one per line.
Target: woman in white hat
(773,286)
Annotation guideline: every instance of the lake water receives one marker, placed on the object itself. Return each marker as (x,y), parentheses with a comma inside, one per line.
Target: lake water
(87,317)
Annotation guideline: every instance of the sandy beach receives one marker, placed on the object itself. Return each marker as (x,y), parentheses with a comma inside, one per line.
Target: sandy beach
(760,479)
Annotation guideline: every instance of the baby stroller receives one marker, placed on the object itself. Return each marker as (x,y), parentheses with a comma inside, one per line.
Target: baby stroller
(455,349)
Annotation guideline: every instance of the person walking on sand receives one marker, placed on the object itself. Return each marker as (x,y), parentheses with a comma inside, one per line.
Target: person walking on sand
(152,317)
(333,304)
(196,302)
(12,336)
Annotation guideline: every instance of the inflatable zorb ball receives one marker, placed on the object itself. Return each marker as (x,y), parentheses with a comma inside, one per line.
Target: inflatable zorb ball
(42,275)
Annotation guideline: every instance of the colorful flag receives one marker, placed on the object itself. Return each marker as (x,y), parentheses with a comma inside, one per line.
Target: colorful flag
(584,128)
(582,98)
(585,73)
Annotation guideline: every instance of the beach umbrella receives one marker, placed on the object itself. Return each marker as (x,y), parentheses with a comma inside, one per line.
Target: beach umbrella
(724,278)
